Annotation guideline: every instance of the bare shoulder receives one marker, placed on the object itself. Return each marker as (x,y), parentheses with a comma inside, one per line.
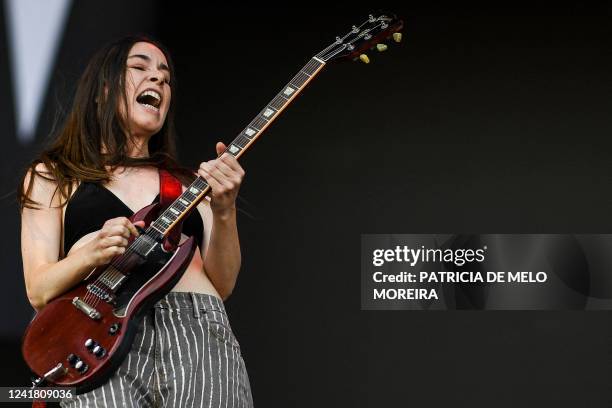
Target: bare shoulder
(41,220)
(42,186)
(42,171)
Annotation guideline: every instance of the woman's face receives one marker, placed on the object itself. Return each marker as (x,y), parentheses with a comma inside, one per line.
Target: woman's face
(147,89)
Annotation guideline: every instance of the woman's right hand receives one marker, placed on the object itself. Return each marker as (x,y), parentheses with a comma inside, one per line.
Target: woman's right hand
(111,240)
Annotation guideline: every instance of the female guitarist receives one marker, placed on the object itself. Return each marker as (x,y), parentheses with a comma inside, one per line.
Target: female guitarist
(76,196)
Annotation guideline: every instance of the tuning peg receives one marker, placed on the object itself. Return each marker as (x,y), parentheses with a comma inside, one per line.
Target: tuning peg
(381,47)
(364,58)
(397,37)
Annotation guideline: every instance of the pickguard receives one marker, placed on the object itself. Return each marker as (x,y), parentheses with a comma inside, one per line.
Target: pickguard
(156,262)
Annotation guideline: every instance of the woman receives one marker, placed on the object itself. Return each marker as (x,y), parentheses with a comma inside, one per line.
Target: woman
(75,200)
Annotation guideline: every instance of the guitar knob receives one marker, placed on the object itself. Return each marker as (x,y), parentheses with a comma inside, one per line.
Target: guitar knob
(79,364)
(99,351)
(397,37)
(364,58)
(72,359)
(113,329)
(89,343)
(381,47)
(83,368)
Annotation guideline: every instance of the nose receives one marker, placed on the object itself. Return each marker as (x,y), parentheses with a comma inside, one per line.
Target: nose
(155,76)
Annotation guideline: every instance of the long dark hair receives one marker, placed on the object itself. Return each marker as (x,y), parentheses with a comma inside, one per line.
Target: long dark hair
(94,121)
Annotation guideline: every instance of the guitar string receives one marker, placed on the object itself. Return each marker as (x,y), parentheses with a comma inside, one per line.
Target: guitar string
(348,35)
(113,271)
(344,45)
(115,267)
(111,274)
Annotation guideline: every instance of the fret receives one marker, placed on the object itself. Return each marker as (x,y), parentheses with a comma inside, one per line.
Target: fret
(289,90)
(268,112)
(168,217)
(258,123)
(157,229)
(200,183)
(234,149)
(241,141)
(278,102)
(248,132)
(312,66)
(195,191)
(299,80)
(160,226)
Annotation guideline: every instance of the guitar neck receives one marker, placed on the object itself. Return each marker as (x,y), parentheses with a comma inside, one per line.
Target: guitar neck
(200,188)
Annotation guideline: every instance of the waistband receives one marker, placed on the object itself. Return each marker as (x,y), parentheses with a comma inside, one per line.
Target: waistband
(196,302)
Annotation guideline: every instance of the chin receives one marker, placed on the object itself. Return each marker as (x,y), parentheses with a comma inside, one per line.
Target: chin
(144,129)
(146,121)
(147,126)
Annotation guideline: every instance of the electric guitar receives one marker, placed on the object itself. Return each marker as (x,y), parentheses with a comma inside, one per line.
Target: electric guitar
(80,338)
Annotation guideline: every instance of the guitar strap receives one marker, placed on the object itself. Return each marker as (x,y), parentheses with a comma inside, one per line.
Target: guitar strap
(170,188)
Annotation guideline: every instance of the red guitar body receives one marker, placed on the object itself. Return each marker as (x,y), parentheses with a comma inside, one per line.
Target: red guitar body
(82,351)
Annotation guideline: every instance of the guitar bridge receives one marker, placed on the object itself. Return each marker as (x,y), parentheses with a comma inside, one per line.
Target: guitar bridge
(85,308)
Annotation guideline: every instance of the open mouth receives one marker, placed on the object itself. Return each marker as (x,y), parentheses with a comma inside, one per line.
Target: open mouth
(150,99)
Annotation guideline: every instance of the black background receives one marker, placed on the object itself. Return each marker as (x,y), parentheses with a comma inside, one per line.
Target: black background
(484,121)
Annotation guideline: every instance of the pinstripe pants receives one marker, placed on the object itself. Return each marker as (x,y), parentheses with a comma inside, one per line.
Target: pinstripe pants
(184,355)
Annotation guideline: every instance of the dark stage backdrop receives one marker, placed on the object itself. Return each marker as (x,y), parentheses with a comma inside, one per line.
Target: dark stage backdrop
(479,122)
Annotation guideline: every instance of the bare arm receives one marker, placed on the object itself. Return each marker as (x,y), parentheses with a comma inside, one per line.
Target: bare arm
(221,249)
(46,277)
(221,252)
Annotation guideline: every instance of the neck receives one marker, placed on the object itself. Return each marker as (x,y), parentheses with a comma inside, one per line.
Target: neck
(138,147)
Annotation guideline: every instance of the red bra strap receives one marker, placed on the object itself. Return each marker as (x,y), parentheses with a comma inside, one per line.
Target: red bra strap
(170,188)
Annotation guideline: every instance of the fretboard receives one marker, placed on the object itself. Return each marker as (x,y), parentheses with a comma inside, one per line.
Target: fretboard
(199,188)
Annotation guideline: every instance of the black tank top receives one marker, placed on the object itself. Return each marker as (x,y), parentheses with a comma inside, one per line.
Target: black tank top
(92,205)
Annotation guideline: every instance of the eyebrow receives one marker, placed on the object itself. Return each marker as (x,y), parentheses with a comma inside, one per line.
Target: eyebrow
(148,59)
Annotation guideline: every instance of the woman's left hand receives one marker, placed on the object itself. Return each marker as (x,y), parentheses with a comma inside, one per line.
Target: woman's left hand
(224,175)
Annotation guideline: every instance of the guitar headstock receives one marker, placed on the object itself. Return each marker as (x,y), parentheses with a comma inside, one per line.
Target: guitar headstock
(370,34)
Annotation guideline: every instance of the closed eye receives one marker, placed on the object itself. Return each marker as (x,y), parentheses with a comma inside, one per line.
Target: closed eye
(140,68)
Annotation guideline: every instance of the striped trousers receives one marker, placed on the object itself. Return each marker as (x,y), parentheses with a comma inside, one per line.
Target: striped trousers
(184,355)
